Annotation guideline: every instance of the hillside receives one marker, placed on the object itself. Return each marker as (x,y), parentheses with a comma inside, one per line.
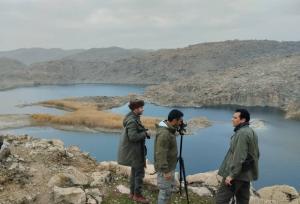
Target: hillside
(109,54)
(166,65)
(273,82)
(255,73)
(13,73)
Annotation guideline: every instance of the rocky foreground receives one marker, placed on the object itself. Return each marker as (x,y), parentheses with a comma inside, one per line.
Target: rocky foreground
(39,171)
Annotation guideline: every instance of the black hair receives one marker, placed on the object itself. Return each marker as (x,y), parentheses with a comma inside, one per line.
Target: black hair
(244,114)
(174,114)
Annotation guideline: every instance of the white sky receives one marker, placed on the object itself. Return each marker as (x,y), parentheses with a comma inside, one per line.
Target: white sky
(149,24)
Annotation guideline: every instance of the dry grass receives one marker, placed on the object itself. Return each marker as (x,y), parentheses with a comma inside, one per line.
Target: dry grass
(87,115)
(69,105)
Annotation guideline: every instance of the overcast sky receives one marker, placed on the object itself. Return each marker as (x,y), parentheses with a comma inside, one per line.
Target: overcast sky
(148,24)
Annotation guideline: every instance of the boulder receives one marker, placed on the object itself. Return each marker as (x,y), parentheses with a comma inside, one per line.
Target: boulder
(91,201)
(77,177)
(123,189)
(201,191)
(4,151)
(281,193)
(94,195)
(60,180)
(99,178)
(107,166)
(211,179)
(69,195)
(123,170)
(71,178)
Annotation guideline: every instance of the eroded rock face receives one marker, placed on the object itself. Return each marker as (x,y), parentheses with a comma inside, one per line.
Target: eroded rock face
(70,195)
(272,83)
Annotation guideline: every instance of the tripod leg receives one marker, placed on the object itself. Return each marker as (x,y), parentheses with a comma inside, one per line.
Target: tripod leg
(185,183)
(180,175)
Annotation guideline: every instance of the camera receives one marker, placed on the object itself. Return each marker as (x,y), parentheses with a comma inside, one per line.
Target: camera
(182,128)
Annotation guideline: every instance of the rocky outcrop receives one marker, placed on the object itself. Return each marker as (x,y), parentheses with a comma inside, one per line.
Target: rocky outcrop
(271,82)
(282,193)
(70,195)
(44,171)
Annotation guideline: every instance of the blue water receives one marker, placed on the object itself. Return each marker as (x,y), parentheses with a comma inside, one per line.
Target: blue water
(11,99)
(203,151)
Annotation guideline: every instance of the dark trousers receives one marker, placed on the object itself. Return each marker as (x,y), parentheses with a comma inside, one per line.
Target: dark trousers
(136,180)
(239,189)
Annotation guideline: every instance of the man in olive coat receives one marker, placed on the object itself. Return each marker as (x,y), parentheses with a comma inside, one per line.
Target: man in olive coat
(132,149)
(165,155)
(240,165)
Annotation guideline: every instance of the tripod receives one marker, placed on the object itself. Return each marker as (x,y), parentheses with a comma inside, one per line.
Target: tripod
(182,170)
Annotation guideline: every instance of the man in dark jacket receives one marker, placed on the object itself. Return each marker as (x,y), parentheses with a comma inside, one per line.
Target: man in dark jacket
(240,165)
(132,149)
(165,154)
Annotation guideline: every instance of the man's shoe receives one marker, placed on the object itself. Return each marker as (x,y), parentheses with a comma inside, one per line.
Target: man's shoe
(140,199)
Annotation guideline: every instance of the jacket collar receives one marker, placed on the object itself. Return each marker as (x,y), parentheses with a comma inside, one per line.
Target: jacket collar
(246,124)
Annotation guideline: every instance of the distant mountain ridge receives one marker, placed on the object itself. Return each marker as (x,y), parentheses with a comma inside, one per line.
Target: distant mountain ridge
(109,54)
(33,55)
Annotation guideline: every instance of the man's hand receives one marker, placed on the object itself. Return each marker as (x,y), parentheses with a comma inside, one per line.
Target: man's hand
(147,134)
(228,181)
(168,176)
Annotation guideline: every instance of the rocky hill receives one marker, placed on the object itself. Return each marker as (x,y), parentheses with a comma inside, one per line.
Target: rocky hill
(40,171)
(163,65)
(109,54)
(32,55)
(262,73)
(13,73)
(272,82)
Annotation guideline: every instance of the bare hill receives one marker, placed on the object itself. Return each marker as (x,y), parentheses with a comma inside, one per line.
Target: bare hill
(262,73)
(32,55)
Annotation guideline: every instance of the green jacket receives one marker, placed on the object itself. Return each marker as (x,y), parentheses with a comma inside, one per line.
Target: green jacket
(165,148)
(241,160)
(132,149)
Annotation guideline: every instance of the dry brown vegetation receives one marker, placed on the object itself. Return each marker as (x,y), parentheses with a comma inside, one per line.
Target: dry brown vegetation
(69,104)
(87,114)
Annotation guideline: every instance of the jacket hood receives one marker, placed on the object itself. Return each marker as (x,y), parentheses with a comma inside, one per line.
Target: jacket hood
(128,117)
(164,125)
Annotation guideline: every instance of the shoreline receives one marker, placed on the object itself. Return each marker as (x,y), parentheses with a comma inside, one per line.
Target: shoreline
(87,114)
(289,115)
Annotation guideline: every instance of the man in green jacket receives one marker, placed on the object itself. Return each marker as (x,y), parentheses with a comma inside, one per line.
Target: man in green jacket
(240,165)
(132,149)
(165,154)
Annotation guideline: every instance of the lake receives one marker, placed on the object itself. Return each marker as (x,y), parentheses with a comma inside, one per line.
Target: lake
(203,151)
